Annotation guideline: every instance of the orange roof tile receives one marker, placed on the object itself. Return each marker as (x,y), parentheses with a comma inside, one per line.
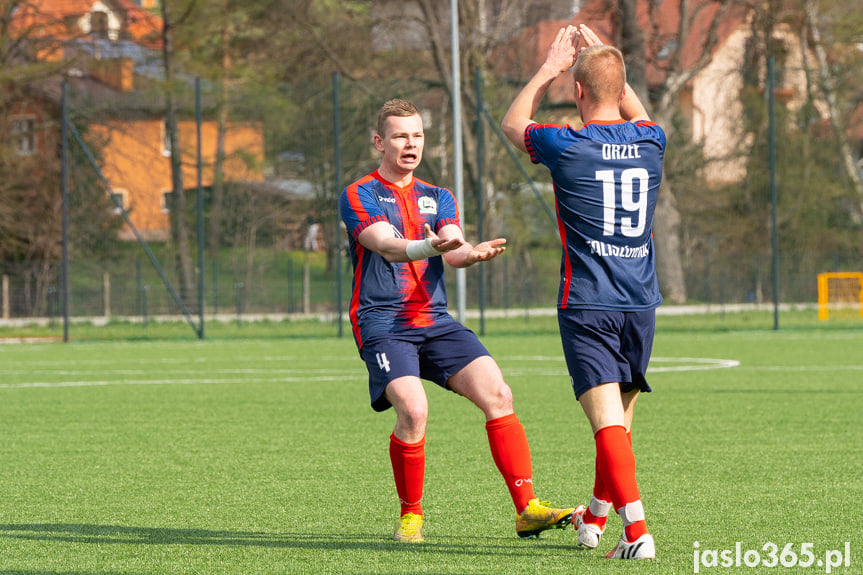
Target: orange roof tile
(50,19)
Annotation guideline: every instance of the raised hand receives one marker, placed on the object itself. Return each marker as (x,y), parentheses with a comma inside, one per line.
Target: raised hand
(561,54)
(585,37)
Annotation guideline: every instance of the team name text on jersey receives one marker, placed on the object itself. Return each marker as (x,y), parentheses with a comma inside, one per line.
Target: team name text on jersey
(620,151)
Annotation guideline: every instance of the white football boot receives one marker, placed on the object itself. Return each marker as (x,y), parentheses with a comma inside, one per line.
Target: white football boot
(641,548)
(589,534)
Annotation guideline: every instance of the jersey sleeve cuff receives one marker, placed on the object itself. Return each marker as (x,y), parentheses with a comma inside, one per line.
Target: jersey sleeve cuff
(446,222)
(528,144)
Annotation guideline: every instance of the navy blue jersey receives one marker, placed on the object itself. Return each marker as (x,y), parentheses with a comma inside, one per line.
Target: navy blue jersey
(606,180)
(389,297)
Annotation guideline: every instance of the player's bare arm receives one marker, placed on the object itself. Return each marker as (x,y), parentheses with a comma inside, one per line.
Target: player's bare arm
(560,58)
(468,254)
(379,238)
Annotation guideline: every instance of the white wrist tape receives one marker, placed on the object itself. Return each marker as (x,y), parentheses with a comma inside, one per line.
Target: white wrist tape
(420,249)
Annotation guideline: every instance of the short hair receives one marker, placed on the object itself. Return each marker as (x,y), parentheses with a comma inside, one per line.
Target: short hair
(395,107)
(601,72)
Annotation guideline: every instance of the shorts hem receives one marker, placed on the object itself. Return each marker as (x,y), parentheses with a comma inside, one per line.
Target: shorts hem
(625,387)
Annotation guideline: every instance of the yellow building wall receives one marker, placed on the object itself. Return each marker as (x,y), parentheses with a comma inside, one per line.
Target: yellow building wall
(137,164)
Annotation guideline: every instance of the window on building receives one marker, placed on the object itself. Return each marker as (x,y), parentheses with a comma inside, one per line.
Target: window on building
(99,24)
(118,200)
(24,136)
(167,202)
(166,141)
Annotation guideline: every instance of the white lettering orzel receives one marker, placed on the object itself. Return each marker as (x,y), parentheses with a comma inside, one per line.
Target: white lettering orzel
(620,152)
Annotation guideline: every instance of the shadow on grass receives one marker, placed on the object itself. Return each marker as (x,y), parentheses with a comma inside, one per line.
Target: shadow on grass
(118,534)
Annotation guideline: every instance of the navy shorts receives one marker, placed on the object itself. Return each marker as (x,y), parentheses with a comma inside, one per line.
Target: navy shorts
(606,347)
(434,353)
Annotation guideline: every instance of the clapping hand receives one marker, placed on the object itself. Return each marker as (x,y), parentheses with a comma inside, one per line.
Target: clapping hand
(561,54)
(584,38)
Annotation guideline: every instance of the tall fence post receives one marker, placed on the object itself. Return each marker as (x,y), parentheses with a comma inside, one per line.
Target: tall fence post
(5,296)
(337,177)
(200,210)
(64,192)
(238,301)
(479,196)
(106,294)
(52,306)
(290,284)
(774,236)
(307,301)
(215,287)
(139,287)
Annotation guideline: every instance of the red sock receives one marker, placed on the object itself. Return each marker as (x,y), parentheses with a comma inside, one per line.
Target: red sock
(617,465)
(600,493)
(409,465)
(511,454)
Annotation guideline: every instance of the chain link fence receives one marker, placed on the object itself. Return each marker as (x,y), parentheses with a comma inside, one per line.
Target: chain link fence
(298,283)
(278,245)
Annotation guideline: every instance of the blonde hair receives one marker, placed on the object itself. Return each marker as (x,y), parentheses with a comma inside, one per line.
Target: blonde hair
(601,72)
(395,107)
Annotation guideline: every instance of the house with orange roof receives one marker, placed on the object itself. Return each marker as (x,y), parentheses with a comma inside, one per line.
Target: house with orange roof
(53,24)
(109,48)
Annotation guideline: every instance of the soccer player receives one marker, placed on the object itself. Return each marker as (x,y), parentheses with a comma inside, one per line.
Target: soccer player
(606,178)
(400,231)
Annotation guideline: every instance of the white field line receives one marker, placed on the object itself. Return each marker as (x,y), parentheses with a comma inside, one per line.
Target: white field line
(250,371)
(813,368)
(293,375)
(191,381)
(328,375)
(697,364)
(689,363)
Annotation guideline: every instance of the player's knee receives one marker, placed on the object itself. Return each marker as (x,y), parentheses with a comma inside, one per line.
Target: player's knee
(501,397)
(413,418)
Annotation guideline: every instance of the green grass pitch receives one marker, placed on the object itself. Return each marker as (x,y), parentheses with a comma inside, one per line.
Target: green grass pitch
(261,455)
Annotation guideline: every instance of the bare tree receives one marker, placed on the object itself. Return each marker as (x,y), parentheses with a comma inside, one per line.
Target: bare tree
(216,213)
(179,231)
(30,226)
(480,39)
(677,73)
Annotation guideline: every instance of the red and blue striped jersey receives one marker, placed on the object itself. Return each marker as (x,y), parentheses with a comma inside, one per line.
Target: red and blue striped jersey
(389,297)
(606,179)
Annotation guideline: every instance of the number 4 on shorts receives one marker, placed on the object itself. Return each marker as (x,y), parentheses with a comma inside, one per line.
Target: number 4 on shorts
(383,362)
